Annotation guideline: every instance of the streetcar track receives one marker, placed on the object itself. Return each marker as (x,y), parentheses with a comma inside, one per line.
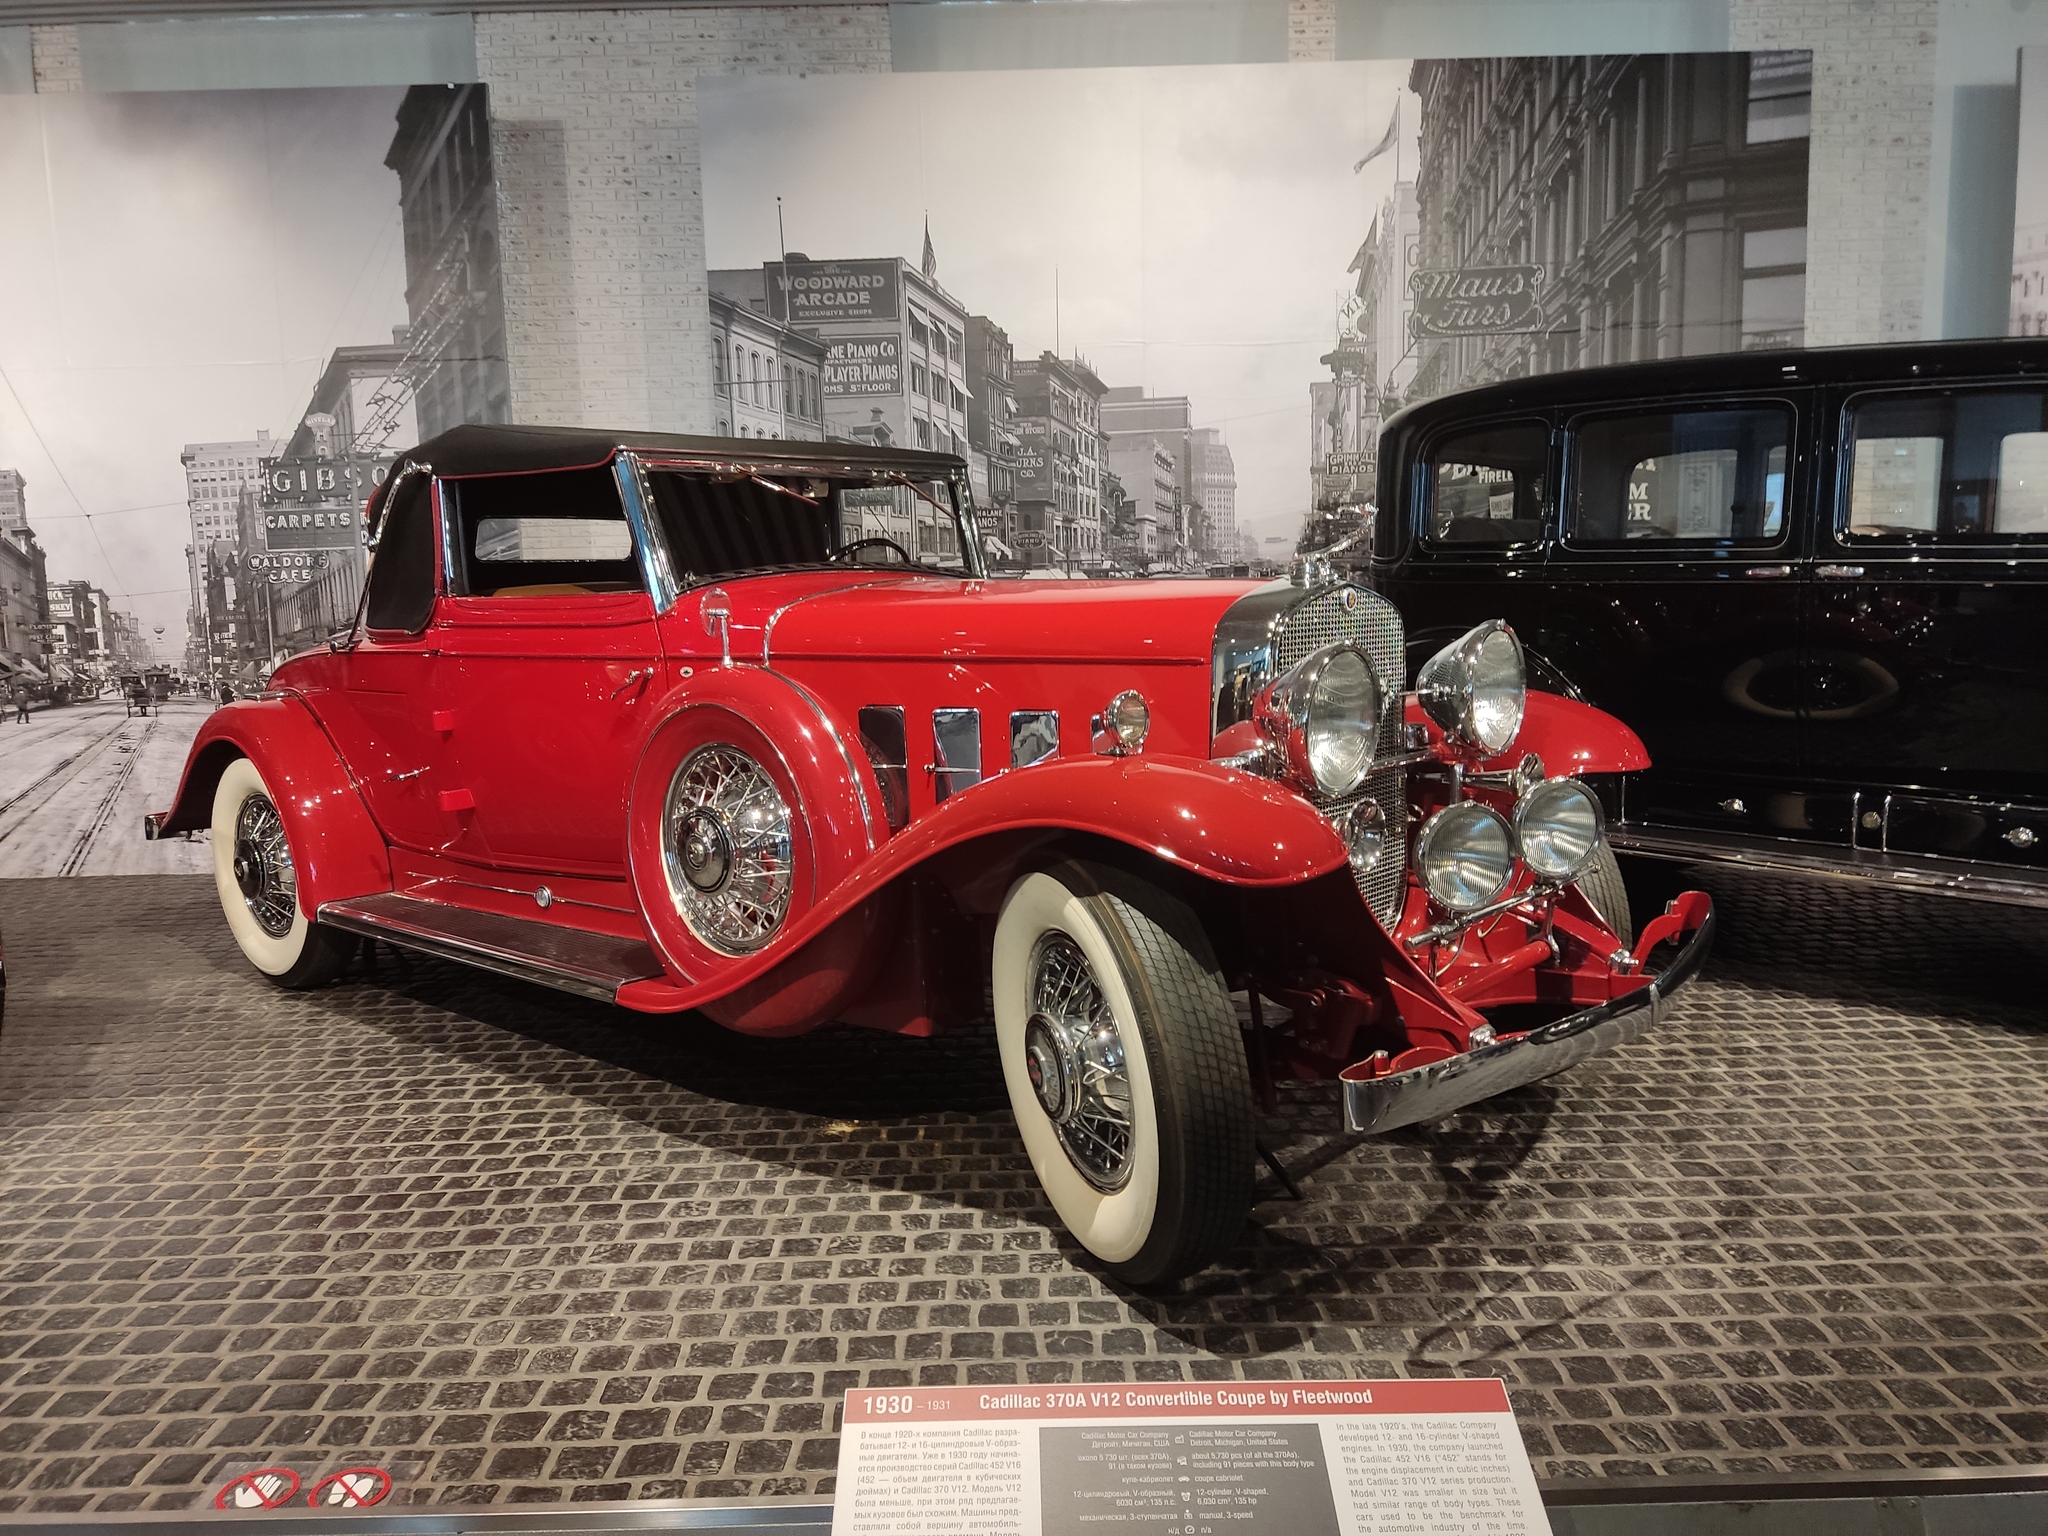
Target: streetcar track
(103,813)
(53,779)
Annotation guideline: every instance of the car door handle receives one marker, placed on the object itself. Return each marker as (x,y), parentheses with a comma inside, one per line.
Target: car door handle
(400,778)
(1837,572)
(1768,570)
(637,675)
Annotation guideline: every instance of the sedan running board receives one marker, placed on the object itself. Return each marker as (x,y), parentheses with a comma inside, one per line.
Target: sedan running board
(569,959)
(2010,885)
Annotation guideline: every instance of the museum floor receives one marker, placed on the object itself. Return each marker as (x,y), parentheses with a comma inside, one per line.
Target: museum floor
(515,1247)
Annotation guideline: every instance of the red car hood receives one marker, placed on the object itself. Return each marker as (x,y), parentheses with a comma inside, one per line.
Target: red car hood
(925,618)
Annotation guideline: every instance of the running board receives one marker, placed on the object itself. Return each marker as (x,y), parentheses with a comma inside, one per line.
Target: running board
(568,959)
(1918,873)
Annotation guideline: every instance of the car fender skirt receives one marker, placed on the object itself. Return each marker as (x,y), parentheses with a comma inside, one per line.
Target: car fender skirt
(1214,823)
(335,845)
(1574,738)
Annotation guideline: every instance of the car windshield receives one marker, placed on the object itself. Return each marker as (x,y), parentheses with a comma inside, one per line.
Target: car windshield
(728,523)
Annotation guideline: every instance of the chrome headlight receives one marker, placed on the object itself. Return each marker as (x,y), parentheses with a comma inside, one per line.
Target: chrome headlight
(1558,825)
(1322,716)
(1474,689)
(1464,855)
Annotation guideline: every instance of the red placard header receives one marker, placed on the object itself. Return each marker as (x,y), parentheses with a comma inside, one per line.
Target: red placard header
(1173,1400)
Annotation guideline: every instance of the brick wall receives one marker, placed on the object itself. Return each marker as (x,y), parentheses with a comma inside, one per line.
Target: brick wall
(600,195)
(54,51)
(1873,140)
(1311,30)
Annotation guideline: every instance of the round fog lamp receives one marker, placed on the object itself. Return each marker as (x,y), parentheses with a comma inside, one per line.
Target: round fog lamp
(1128,718)
(1365,836)
(1464,855)
(1558,825)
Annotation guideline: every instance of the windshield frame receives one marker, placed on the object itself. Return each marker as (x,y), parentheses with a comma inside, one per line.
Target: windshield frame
(635,467)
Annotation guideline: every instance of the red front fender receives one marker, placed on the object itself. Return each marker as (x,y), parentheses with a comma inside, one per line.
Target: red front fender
(336,847)
(1214,822)
(1571,738)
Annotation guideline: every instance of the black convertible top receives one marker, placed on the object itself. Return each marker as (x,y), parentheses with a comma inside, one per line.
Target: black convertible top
(480,450)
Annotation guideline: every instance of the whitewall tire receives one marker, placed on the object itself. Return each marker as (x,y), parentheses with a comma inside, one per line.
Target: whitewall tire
(257,879)
(1125,1069)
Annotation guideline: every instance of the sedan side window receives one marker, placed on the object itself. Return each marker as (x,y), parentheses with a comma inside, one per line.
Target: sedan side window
(561,533)
(1490,486)
(1952,465)
(1706,476)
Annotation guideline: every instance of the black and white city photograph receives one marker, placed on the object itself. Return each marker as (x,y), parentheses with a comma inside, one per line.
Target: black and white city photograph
(977,768)
(248,303)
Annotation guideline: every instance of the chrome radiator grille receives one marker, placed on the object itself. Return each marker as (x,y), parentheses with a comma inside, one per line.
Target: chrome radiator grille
(1375,624)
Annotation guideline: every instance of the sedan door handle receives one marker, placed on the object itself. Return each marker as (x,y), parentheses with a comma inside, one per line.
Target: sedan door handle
(638,675)
(1837,572)
(1768,570)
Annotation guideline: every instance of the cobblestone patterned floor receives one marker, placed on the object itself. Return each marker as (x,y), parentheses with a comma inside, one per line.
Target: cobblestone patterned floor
(515,1247)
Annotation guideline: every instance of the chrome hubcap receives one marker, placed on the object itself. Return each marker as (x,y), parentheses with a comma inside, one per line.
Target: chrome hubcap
(263,867)
(726,849)
(1074,1056)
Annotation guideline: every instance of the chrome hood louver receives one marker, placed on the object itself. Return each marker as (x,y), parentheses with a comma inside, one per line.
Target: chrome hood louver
(1267,631)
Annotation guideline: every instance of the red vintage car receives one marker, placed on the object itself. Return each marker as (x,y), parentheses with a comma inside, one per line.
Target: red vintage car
(744,727)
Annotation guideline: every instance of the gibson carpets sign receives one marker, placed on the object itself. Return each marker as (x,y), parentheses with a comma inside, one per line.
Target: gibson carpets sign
(1474,301)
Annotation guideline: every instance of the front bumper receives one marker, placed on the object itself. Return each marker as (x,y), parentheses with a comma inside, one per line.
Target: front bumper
(1433,1091)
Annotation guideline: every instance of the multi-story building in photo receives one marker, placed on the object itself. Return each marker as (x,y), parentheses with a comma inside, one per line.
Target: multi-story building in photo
(215,476)
(1660,198)
(1139,428)
(894,368)
(1062,456)
(13,501)
(1343,429)
(895,365)
(767,378)
(24,606)
(454,364)
(1215,474)
(992,429)
(303,560)
(78,624)
(1384,299)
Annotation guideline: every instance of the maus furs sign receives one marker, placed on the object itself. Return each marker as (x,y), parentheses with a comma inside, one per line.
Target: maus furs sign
(1474,301)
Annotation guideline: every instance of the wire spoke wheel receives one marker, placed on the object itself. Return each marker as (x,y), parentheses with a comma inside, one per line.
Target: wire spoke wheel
(263,867)
(1075,1055)
(726,849)
(1125,1068)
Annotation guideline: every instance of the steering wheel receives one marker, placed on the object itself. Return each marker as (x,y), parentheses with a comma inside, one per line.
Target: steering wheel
(850,553)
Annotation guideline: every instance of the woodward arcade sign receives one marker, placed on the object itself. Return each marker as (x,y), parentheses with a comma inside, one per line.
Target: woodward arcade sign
(1474,301)
(816,291)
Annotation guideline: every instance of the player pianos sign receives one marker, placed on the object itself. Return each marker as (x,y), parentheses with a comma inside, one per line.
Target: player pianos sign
(1474,301)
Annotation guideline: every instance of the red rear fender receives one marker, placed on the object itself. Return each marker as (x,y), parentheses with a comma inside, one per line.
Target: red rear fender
(335,846)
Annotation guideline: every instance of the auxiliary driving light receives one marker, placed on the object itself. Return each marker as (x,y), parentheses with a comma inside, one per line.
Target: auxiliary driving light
(1464,855)
(1474,687)
(1365,836)
(1558,825)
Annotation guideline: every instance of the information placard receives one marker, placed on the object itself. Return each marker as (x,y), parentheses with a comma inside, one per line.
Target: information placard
(1282,1458)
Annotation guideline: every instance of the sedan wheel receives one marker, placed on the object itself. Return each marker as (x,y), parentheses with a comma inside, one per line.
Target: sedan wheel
(1125,1069)
(257,878)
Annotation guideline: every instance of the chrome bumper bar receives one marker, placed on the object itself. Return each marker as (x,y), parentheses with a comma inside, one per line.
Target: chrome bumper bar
(1431,1092)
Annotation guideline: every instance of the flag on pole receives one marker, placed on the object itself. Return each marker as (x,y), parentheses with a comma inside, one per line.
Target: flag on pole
(1386,142)
(931,257)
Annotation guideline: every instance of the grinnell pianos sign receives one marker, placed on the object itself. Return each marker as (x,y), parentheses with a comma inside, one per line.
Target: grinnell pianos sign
(1474,301)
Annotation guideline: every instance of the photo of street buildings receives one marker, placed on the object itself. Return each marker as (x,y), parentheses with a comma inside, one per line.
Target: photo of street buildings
(1141,334)
(254,301)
